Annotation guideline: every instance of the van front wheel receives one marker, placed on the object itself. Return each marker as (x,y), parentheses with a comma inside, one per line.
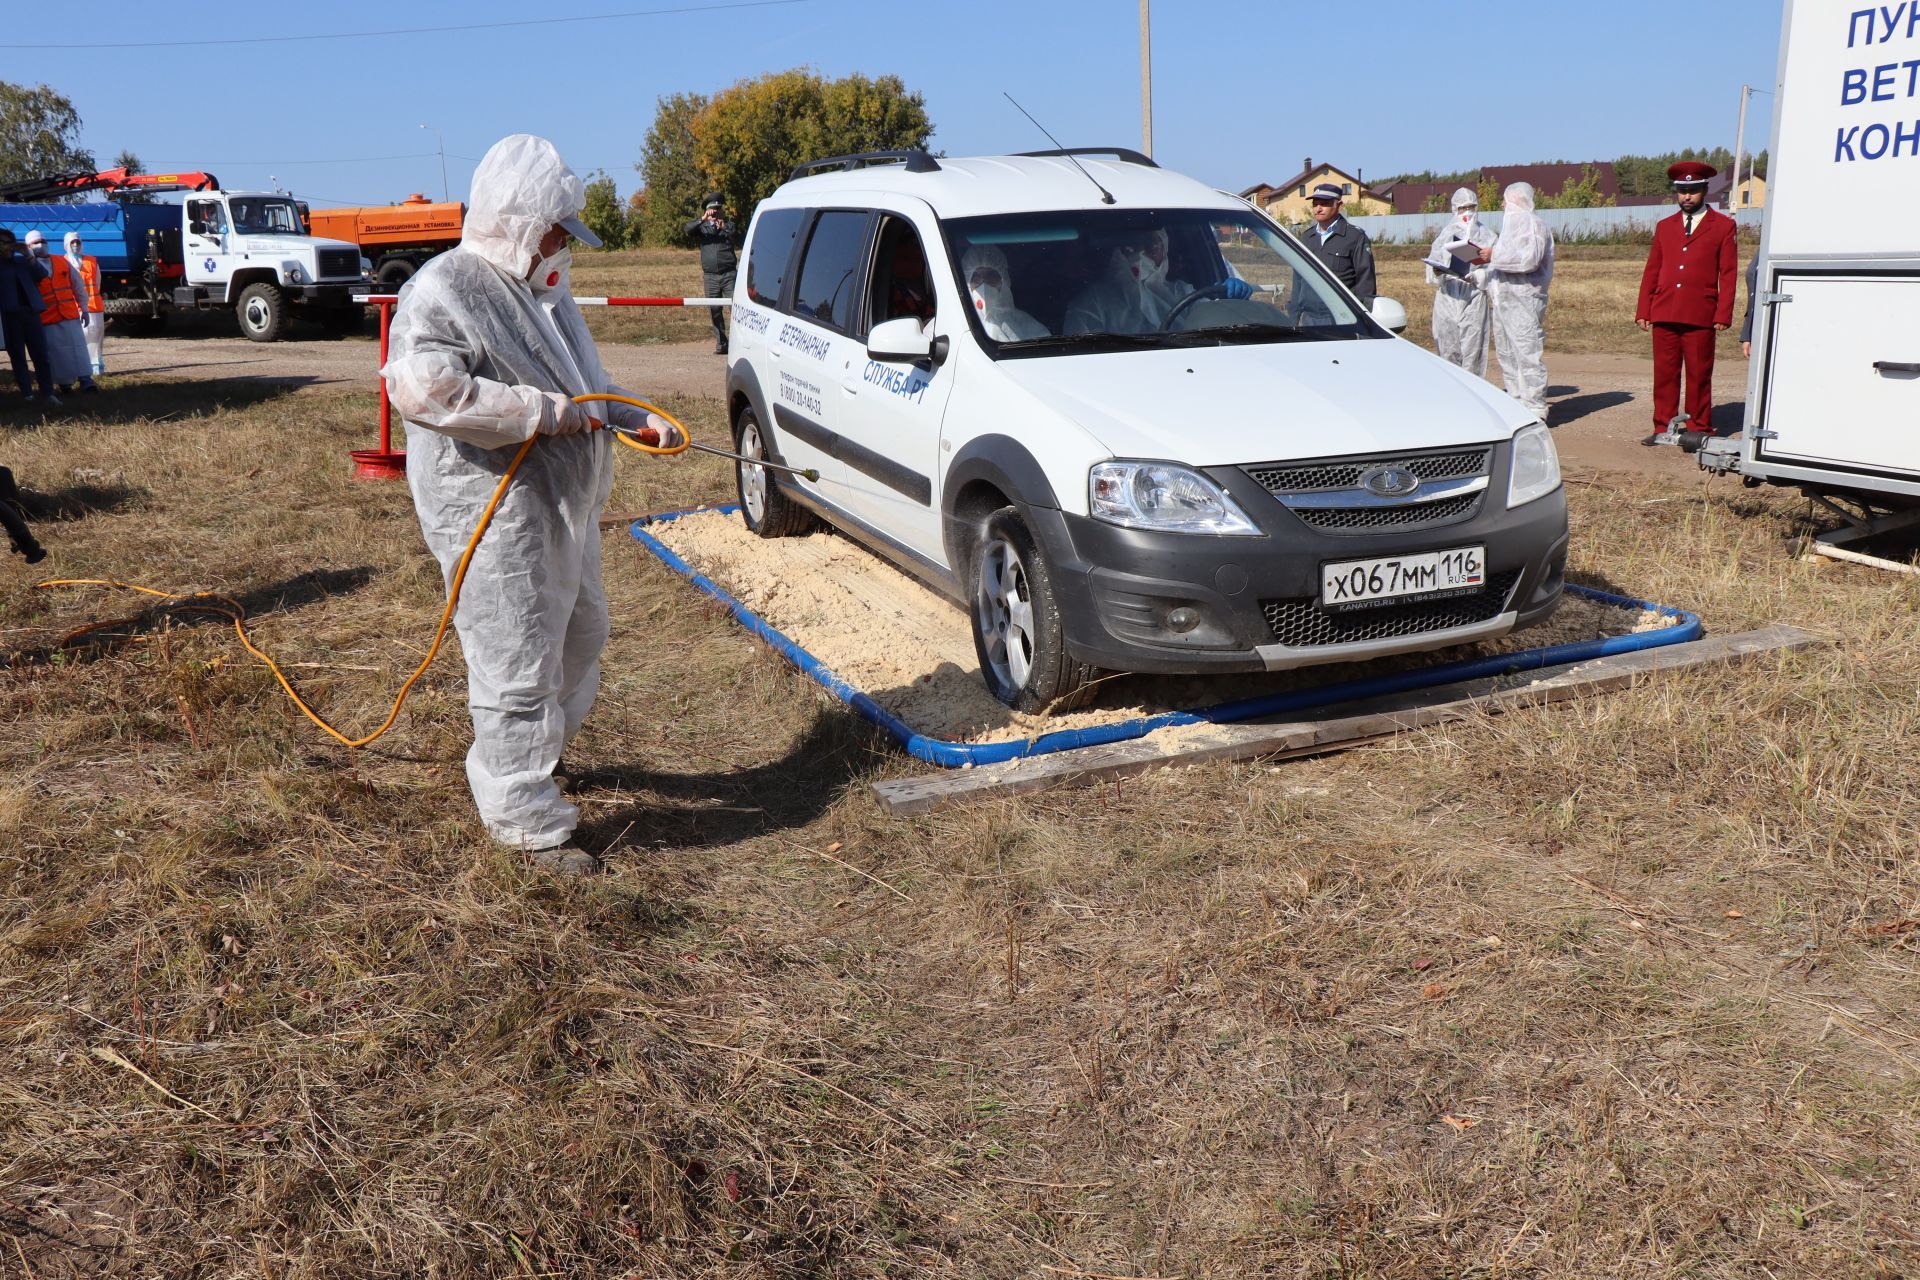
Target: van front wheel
(1017,632)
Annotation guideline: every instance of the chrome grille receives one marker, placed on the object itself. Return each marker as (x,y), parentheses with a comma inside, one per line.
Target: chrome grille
(1302,624)
(1280,478)
(335,263)
(1366,519)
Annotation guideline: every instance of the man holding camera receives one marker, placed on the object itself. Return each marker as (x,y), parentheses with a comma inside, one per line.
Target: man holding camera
(719,257)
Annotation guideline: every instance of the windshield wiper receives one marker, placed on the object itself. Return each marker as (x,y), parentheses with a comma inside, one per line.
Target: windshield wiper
(1089,339)
(1279,332)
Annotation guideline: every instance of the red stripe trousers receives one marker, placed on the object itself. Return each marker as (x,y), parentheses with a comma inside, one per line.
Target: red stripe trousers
(1678,348)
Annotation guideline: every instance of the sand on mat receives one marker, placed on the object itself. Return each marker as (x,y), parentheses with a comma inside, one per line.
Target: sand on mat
(911,649)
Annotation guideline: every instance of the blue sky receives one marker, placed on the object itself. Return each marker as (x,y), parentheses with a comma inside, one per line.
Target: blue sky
(1242,91)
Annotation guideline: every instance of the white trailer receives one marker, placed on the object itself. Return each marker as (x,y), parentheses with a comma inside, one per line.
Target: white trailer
(1833,397)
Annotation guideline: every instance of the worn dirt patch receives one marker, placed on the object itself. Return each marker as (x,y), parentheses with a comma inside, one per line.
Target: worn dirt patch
(912,650)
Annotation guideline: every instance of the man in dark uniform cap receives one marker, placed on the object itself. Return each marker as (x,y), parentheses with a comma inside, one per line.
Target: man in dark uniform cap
(1341,247)
(1686,298)
(719,258)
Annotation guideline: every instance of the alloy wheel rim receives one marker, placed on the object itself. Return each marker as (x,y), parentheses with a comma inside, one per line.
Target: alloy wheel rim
(1006,605)
(753,479)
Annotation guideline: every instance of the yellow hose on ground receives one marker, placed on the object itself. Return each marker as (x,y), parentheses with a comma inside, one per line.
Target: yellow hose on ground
(227,607)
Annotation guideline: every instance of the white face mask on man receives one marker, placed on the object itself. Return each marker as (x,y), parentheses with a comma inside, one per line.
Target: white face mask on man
(550,272)
(1143,268)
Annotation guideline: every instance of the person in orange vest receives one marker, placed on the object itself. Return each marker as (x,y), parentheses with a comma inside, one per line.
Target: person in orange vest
(62,294)
(94,322)
(20,276)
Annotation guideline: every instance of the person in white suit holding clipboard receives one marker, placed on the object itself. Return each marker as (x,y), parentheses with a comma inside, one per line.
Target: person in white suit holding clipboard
(1461,308)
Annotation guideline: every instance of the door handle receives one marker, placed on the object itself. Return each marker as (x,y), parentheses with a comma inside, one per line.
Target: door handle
(1897,366)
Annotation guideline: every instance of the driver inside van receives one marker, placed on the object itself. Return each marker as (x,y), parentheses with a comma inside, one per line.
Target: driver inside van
(1134,292)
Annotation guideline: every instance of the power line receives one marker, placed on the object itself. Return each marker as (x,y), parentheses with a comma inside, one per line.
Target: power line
(414,31)
(417,155)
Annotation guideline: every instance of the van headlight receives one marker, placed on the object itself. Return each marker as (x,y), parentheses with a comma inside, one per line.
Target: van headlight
(1536,466)
(1162,496)
(295,274)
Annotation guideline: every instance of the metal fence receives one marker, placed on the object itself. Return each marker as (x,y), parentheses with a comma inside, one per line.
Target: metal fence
(1566,224)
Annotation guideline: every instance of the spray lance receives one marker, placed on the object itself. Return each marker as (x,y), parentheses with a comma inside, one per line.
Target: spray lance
(647,440)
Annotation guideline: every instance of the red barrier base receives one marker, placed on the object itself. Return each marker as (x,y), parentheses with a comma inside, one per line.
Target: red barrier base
(379,464)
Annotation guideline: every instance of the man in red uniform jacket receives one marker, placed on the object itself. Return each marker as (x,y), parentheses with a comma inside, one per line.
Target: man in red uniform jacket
(1686,311)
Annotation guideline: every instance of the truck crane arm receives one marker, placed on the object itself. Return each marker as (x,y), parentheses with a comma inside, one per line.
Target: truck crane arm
(109,180)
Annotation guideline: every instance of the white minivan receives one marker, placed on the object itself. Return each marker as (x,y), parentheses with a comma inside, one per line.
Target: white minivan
(1126,421)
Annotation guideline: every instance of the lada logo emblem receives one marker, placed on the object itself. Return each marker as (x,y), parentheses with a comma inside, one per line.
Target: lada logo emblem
(1389,482)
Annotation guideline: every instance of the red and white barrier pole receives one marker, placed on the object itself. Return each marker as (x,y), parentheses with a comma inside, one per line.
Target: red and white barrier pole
(385,464)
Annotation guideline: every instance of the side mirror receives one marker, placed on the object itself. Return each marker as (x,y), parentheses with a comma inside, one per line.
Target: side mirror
(905,339)
(1391,314)
(197,227)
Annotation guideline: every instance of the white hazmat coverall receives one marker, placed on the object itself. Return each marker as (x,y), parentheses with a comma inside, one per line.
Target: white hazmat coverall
(1520,269)
(1132,296)
(480,361)
(93,324)
(1460,305)
(1003,321)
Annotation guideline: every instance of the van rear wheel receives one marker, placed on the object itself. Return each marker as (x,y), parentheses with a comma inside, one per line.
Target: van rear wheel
(1017,632)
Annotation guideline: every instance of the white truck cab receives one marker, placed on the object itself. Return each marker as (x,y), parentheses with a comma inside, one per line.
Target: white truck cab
(1833,397)
(249,250)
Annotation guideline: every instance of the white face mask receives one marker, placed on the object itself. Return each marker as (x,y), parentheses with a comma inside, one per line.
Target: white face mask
(988,299)
(550,272)
(1144,269)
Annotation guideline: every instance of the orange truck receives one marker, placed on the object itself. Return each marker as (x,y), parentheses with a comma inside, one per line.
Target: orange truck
(397,237)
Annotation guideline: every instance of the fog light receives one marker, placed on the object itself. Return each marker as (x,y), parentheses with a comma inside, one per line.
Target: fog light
(1182,620)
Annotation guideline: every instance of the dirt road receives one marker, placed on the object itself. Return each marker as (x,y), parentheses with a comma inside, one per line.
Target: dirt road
(1599,405)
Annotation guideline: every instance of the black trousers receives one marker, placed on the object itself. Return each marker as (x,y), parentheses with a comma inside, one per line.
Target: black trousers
(719,284)
(26,336)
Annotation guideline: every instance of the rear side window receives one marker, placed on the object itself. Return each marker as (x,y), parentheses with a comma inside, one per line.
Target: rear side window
(772,249)
(831,271)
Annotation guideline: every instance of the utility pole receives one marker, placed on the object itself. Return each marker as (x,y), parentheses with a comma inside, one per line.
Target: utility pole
(1146,82)
(443,161)
(1739,148)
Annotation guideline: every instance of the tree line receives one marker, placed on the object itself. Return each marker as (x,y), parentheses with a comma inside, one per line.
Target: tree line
(743,142)
(1638,176)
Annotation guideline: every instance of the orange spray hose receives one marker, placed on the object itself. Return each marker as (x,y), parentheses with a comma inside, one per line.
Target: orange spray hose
(231,609)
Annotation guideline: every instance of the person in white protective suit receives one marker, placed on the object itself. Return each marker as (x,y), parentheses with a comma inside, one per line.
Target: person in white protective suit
(93,323)
(1133,293)
(990,288)
(488,347)
(1460,305)
(1519,268)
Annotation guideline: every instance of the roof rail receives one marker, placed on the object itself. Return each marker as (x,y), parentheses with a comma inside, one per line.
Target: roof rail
(1124,154)
(914,160)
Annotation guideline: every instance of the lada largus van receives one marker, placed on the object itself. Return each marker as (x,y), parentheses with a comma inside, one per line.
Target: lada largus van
(1126,421)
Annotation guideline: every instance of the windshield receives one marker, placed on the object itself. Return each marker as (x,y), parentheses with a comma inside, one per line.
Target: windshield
(264,215)
(1102,279)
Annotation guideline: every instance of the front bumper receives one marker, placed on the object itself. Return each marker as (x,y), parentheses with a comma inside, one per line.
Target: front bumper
(1252,603)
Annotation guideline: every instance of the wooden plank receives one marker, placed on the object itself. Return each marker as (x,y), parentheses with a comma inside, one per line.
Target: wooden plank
(1338,728)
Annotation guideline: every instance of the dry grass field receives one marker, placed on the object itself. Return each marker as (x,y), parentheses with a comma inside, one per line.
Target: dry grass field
(1589,305)
(1621,988)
